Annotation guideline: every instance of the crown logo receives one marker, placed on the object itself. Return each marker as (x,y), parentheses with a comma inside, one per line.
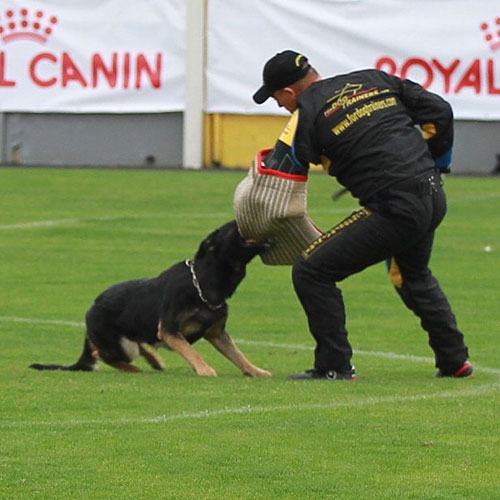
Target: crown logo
(26,25)
(492,33)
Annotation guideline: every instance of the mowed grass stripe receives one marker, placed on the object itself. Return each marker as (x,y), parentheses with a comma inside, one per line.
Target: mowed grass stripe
(249,409)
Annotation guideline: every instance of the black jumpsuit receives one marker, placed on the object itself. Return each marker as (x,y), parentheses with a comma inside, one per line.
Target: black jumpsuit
(382,138)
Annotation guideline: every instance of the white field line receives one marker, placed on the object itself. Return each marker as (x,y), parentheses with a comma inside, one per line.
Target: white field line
(258,343)
(473,198)
(105,218)
(248,409)
(48,224)
(33,321)
(60,222)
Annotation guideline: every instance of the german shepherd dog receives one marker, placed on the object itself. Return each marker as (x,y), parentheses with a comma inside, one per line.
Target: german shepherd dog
(181,305)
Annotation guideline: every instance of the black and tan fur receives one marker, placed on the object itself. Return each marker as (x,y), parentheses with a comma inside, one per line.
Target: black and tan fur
(176,308)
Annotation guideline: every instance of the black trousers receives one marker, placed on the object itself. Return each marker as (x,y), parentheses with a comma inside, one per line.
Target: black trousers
(399,224)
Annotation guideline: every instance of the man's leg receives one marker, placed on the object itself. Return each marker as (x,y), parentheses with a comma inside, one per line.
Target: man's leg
(324,308)
(421,293)
(358,242)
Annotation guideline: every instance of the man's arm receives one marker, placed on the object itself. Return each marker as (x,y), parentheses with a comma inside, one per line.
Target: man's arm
(434,116)
(284,157)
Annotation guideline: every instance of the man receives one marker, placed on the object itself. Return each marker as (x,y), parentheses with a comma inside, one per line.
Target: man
(386,140)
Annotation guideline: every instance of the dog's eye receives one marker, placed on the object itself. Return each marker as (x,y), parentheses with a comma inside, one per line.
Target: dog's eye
(209,245)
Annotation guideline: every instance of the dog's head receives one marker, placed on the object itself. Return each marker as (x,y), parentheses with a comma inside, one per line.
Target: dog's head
(227,244)
(227,253)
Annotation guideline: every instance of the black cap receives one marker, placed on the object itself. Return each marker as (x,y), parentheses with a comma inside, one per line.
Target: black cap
(284,69)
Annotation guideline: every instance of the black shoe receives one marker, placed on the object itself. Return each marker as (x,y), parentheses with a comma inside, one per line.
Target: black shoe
(320,375)
(464,371)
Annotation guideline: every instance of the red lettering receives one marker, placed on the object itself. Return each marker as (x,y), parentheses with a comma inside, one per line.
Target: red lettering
(143,66)
(98,66)
(4,82)
(387,62)
(418,63)
(126,71)
(446,72)
(475,77)
(70,72)
(491,78)
(34,69)
(471,78)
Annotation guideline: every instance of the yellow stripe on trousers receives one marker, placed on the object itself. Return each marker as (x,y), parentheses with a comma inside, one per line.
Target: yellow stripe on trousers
(356,216)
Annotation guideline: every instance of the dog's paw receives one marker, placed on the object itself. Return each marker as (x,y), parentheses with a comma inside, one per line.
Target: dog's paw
(206,371)
(258,372)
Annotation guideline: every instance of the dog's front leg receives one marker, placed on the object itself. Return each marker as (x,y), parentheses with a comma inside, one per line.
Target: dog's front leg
(178,343)
(223,342)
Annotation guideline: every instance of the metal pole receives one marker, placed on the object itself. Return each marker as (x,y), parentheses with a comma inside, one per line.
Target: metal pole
(192,138)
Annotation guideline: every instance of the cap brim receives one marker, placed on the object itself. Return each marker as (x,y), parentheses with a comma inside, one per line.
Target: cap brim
(262,95)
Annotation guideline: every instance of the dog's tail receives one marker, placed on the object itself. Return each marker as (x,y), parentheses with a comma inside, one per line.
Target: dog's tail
(86,362)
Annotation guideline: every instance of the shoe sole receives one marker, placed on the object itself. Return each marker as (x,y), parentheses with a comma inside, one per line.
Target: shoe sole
(464,371)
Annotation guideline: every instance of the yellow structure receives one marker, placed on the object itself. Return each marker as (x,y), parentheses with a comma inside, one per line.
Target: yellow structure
(233,140)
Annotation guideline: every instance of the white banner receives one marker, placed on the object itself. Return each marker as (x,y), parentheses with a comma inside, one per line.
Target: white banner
(115,56)
(452,47)
(93,56)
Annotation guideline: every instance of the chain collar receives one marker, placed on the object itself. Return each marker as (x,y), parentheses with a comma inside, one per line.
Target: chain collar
(196,284)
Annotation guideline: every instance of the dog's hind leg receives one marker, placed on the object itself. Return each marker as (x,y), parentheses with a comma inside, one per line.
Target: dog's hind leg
(124,366)
(118,355)
(178,343)
(151,357)
(223,342)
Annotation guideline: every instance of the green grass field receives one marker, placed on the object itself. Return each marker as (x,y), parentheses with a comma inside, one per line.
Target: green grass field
(396,433)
